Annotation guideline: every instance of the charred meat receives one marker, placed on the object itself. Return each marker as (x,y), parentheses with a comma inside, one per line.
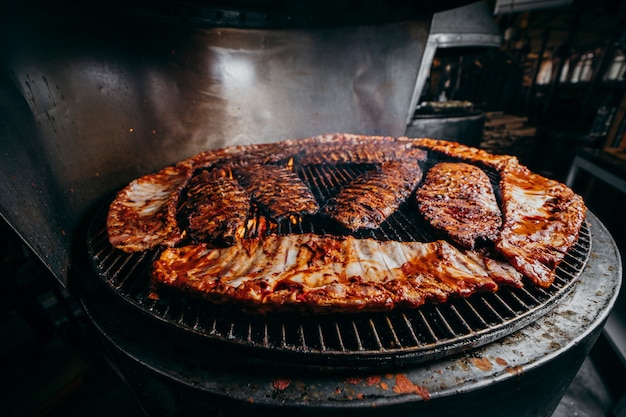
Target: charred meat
(277,190)
(458,199)
(143,214)
(371,198)
(217,207)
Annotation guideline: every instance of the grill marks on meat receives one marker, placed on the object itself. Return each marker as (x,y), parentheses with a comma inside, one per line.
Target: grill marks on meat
(458,199)
(542,217)
(217,207)
(326,273)
(339,149)
(243,155)
(278,190)
(463,152)
(143,214)
(371,198)
(542,220)
(333,148)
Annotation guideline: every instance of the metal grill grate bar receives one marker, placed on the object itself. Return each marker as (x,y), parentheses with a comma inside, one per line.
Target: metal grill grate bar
(428,326)
(458,318)
(339,333)
(478,318)
(357,336)
(392,330)
(375,337)
(445,324)
(410,329)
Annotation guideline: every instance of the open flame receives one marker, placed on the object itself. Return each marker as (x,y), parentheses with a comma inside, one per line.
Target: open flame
(260,226)
(226,173)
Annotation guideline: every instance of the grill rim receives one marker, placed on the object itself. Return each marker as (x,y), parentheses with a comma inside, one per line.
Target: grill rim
(360,357)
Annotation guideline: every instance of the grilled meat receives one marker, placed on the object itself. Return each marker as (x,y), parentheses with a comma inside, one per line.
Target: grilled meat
(217,207)
(542,219)
(338,149)
(540,222)
(335,148)
(462,152)
(371,198)
(458,199)
(327,273)
(143,214)
(278,190)
(235,156)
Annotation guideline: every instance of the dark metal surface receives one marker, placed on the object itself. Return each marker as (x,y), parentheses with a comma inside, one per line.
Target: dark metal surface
(372,340)
(470,25)
(521,375)
(284,13)
(466,129)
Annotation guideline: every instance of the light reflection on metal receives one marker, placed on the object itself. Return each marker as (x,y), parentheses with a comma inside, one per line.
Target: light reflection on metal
(129,102)
(516,6)
(181,90)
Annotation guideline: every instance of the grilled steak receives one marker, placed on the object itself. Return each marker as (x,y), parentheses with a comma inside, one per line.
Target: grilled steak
(326,273)
(278,190)
(458,199)
(143,214)
(371,198)
(217,207)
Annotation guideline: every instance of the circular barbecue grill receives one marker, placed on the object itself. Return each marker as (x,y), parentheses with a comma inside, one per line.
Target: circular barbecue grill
(178,370)
(402,360)
(217,359)
(372,340)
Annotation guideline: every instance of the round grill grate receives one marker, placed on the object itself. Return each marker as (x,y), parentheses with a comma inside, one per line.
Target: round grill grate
(363,339)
